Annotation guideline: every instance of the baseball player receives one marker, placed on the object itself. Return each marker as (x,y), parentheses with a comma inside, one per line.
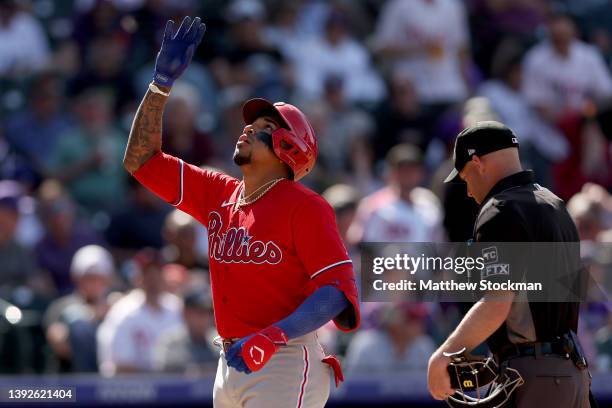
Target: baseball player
(278,267)
(536,339)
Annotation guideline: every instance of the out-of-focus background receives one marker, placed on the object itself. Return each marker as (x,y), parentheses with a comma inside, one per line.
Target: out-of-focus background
(107,286)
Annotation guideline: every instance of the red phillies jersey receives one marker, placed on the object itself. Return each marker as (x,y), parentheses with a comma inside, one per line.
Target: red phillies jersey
(265,258)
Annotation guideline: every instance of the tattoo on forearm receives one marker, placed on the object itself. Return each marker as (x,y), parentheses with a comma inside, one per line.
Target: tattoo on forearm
(145,135)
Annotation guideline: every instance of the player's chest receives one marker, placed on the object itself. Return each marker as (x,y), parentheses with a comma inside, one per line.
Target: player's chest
(248,237)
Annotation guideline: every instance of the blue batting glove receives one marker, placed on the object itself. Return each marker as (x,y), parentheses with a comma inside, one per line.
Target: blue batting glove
(177,50)
(234,357)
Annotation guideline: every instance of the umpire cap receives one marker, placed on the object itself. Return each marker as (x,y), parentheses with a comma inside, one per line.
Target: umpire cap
(482,138)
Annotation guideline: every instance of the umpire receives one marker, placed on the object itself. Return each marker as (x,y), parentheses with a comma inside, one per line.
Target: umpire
(536,338)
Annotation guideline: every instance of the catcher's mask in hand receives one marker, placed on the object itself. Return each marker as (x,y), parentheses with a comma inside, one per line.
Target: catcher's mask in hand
(488,385)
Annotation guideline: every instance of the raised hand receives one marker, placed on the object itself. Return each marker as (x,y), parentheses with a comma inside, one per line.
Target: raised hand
(177,49)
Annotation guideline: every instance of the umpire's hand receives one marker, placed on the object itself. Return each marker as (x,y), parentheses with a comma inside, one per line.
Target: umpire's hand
(177,50)
(438,380)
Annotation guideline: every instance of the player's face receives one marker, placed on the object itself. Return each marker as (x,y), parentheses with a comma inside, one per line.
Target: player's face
(249,149)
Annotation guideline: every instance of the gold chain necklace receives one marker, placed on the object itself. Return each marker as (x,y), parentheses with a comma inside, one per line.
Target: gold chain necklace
(242,200)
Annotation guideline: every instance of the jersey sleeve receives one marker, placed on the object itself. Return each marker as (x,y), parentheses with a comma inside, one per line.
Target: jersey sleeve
(324,257)
(187,187)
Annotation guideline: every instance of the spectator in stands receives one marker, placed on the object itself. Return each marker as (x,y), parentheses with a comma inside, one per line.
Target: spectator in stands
(492,21)
(64,235)
(71,321)
(344,199)
(14,166)
(603,198)
(565,96)
(580,75)
(248,59)
(590,209)
(180,233)
(284,31)
(99,17)
(427,40)
(127,337)
(398,345)
(178,279)
(182,138)
(336,54)
(24,46)
(35,131)
(88,157)
(105,68)
(343,134)
(17,264)
(595,24)
(21,284)
(189,349)
(402,211)
(401,118)
(541,143)
(138,224)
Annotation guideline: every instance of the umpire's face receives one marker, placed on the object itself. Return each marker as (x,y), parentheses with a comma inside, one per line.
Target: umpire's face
(474,175)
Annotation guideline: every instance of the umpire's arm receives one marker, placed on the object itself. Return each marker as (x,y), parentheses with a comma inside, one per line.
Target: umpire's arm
(496,224)
(477,325)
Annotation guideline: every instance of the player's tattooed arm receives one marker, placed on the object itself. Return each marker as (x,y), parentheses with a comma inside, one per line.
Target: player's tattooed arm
(146,134)
(173,58)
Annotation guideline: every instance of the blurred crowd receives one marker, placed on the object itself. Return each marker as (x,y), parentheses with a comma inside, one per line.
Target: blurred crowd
(99,275)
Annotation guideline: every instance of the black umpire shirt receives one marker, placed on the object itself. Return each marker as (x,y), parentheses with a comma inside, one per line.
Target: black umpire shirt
(519,210)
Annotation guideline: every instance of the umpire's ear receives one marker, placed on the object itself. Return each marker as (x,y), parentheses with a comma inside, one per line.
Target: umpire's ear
(478,162)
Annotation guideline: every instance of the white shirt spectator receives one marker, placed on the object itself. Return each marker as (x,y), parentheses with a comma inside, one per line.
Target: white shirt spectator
(435,31)
(514,110)
(372,351)
(23,45)
(315,60)
(399,221)
(131,330)
(560,83)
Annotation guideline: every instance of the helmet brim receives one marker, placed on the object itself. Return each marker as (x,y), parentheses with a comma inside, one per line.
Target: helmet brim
(258,107)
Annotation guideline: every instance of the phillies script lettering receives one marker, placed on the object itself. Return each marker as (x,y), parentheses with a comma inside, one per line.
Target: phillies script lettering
(235,245)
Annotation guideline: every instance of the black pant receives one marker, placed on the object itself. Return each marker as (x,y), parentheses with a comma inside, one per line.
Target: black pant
(550,381)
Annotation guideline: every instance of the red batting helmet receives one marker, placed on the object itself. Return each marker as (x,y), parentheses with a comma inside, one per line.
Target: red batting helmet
(295,142)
